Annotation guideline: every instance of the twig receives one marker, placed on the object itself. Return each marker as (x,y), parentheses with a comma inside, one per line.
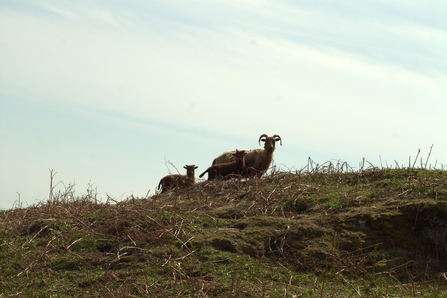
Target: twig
(402,193)
(185,256)
(187,241)
(147,194)
(169,162)
(50,196)
(429,153)
(419,151)
(19,204)
(169,231)
(68,247)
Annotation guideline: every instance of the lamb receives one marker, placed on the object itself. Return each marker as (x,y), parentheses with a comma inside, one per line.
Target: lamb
(229,169)
(257,161)
(178,181)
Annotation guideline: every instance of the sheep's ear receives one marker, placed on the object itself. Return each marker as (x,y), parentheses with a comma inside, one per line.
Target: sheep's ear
(195,167)
(185,167)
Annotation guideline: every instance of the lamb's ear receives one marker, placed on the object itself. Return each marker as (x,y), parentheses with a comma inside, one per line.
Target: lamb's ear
(195,167)
(185,167)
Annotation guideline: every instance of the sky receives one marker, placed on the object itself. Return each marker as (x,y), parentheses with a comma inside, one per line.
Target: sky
(114,95)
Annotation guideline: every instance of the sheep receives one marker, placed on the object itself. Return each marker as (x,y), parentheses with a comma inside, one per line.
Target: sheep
(257,161)
(226,170)
(181,181)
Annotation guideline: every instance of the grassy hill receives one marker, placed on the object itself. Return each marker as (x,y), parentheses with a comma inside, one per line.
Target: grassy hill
(329,232)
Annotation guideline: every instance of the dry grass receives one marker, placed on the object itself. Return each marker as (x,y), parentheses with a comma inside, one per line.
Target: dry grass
(323,231)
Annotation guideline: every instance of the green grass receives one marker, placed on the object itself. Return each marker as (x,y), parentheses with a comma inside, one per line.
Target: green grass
(325,233)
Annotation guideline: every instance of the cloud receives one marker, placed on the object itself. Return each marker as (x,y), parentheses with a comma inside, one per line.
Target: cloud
(158,74)
(58,10)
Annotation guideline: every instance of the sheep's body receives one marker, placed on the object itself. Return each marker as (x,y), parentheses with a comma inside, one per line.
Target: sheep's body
(229,169)
(257,161)
(178,181)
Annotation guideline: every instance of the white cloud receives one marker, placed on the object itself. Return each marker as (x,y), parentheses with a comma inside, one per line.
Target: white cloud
(60,11)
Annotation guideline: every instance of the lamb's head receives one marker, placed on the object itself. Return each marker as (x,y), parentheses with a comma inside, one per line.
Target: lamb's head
(269,142)
(239,156)
(190,170)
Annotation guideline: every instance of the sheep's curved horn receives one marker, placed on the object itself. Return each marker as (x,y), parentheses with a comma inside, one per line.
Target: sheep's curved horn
(262,136)
(279,138)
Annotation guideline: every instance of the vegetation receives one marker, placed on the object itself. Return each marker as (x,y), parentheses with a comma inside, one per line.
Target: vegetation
(327,231)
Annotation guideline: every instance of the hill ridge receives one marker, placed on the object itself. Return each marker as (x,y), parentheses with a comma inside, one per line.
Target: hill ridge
(330,232)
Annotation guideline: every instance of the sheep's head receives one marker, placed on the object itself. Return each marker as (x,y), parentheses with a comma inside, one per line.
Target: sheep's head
(239,156)
(269,142)
(190,170)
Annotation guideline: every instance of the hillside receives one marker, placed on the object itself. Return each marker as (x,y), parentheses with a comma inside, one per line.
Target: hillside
(329,232)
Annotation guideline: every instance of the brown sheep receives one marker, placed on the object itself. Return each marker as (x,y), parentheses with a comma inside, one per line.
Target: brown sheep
(226,170)
(257,161)
(178,181)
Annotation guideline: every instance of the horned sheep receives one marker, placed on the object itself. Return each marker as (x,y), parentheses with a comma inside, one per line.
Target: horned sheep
(229,169)
(178,181)
(257,161)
